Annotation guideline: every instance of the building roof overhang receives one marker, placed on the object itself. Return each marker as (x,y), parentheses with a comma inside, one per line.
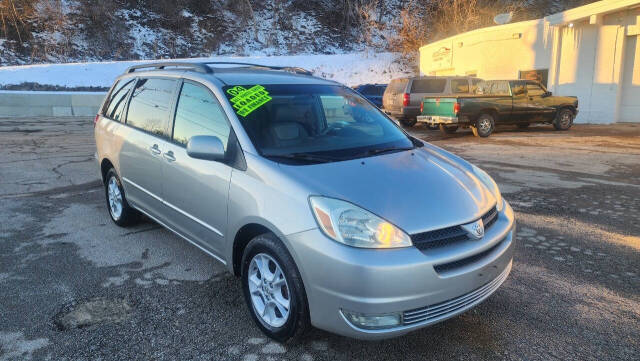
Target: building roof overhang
(591,11)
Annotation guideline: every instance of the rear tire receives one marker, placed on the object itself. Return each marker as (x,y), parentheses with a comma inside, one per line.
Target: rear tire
(408,122)
(267,291)
(448,129)
(484,126)
(564,119)
(120,211)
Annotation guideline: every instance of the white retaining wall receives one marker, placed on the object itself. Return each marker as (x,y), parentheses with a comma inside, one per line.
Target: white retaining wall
(43,103)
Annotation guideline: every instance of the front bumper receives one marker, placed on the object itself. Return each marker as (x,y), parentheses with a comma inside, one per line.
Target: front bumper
(339,278)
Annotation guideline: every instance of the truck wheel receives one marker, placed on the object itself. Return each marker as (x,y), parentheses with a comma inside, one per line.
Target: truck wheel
(564,119)
(432,126)
(448,129)
(408,122)
(484,126)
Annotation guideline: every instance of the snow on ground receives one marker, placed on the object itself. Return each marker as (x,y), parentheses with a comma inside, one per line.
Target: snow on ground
(349,69)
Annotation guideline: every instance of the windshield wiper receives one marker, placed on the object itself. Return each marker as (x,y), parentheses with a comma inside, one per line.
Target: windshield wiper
(305,156)
(387,150)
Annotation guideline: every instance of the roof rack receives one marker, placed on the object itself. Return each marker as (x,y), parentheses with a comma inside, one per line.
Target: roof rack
(203,67)
(199,67)
(292,69)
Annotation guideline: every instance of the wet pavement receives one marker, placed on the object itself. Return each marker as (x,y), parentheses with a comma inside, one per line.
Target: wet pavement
(73,286)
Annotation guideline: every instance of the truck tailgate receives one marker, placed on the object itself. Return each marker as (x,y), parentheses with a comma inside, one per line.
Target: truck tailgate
(439,107)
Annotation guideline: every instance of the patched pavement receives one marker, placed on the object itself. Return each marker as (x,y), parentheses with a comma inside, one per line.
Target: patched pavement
(76,287)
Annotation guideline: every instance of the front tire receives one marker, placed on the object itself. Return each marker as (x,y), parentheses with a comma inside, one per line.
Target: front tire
(564,119)
(120,211)
(484,126)
(273,289)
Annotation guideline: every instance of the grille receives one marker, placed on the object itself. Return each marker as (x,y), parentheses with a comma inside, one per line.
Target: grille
(450,235)
(454,305)
(466,261)
(490,218)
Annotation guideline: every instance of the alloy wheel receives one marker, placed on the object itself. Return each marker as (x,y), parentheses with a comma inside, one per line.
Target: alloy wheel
(269,290)
(115,198)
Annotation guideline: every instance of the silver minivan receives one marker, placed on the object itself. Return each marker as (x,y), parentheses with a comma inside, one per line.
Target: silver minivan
(331,215)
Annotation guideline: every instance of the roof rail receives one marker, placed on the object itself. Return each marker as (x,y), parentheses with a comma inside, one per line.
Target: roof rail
(292,69)
(199,67)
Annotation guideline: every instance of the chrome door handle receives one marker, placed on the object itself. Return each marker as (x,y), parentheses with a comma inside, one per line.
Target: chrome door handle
(155,150)
(169,156)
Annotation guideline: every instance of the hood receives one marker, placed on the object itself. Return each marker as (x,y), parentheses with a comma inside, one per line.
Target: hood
(417,190)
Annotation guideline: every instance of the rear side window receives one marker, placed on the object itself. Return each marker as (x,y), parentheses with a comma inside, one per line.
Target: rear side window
(199,113)
(428,85)
(118,99)
(474,84)
(150,105)
(459,85)
(500,88)
(398,85)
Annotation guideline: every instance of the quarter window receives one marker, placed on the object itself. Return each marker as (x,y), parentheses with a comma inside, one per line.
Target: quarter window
(118,99)
(199,113)
(459,85)
(150,105)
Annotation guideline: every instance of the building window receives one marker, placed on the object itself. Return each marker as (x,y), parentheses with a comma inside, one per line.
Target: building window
(539,75)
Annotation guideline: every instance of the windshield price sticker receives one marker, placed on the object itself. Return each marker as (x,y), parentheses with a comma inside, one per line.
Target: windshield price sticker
(245,101)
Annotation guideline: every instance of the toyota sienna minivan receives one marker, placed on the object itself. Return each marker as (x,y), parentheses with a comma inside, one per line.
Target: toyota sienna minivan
(331,214)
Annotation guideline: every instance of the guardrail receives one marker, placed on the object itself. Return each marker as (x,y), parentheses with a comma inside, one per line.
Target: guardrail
(49,103)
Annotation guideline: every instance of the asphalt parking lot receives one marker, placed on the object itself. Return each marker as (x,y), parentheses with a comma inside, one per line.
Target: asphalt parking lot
(73,286)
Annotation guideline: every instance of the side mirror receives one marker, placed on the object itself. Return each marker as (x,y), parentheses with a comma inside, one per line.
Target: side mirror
(205,147)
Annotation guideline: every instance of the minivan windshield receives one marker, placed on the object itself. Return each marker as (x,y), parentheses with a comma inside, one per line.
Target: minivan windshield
(298,123)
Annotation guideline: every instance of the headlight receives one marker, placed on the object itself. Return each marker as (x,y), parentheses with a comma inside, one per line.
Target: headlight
(491,184)
(354,226)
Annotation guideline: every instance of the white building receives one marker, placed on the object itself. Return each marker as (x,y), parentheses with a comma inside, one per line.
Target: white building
(592,51)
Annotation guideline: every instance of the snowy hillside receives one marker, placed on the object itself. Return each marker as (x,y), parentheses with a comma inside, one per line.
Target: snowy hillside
(349,69)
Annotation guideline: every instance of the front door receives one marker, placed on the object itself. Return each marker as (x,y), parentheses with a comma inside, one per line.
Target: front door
(520,112)
(540,106)
(142,141)
(195,191)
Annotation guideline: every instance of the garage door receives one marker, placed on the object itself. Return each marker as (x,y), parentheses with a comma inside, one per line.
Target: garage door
(630,102)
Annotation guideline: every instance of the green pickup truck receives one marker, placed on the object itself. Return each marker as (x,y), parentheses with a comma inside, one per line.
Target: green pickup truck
(519,102)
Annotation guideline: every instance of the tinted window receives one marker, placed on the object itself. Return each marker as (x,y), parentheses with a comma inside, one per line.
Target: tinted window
(118,99)
(199,113)
(150,105)
(459,85)
(534,90)
(428,85)
(380,89)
